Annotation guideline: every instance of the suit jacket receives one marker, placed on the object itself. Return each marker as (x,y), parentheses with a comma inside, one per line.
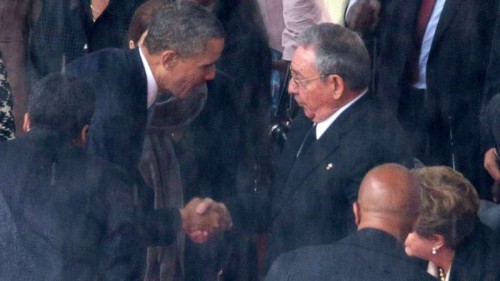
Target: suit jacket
(119,122)
(311,200)
(478,257)
(15,262)
(118,126)
(75,214)
(368,254)
(456,69)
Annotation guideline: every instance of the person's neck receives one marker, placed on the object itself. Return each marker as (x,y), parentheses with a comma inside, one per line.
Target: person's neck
(391,226)
(444,258)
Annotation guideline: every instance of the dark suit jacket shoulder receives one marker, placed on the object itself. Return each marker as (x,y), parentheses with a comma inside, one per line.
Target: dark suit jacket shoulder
(478,257)
(75,214)
(368,254)
(118,125)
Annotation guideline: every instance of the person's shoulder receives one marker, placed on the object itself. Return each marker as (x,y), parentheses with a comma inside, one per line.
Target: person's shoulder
(108,58)
(103,168)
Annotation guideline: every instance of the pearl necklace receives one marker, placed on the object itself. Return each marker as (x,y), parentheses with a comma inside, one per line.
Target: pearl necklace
(442,275)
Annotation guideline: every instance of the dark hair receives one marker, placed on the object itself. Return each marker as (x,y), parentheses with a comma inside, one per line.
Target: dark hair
(339,51)
(61,102)
(184,27)
(142,17)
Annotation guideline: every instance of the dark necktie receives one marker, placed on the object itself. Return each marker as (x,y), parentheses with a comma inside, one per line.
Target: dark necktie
(424,15)
(308,141)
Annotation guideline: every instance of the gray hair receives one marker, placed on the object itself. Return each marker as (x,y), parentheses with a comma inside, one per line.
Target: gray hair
(339,51)
(184,27)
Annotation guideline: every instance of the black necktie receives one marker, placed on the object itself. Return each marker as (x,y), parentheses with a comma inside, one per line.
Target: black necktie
(308,141)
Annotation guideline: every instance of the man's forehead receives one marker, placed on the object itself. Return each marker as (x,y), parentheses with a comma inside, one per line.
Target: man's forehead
(303,59)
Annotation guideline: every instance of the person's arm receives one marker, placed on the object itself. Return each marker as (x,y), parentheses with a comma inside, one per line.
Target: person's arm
(489,118)
(362,15)
(6,118)
(299,15)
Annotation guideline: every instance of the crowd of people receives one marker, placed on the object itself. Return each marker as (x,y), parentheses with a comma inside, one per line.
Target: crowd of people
(135,140)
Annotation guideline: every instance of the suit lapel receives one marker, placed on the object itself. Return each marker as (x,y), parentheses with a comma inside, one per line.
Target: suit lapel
(449,10)
(323,148)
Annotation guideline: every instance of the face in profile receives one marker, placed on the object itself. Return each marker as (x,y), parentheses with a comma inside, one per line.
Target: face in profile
(188,73)
(418,246)
(307,86)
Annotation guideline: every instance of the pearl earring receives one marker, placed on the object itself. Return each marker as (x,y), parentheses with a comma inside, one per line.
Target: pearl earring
(434,250)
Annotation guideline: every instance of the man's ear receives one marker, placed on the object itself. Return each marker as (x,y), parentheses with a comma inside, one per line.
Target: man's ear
(337,84)
(26,123)
(357,215)
(169,59)
(84,135)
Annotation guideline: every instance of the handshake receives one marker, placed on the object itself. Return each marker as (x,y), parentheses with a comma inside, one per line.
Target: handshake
(204,218)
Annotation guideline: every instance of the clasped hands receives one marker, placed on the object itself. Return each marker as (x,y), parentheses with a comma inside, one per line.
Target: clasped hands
(202,219)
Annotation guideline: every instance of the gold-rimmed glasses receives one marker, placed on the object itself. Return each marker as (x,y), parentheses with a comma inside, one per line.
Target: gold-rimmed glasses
(300,82)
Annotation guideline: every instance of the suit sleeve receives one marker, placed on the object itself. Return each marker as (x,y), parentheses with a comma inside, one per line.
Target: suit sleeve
(128,228)
(489,123)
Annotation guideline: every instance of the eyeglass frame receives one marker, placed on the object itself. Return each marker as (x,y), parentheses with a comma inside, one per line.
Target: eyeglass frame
(298,82)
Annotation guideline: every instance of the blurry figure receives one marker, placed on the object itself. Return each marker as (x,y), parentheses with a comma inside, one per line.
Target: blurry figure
(448,233)
(64,30)
(431,58)
(15,22)
(15,263)
(7,126)
(489,212)
(386,209)
(74,213)
(340,134)
(227,150)
(490,137)
(299,15)
(272,13)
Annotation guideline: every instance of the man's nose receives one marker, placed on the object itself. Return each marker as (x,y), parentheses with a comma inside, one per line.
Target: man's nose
(292,87)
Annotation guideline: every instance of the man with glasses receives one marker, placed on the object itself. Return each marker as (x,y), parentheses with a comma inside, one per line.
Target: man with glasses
(342,136)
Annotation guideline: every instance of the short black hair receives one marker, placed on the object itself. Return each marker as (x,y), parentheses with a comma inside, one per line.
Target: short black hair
(61,102)
(184,27)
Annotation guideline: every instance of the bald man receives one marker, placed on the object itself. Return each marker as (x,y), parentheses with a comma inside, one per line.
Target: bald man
(388,200)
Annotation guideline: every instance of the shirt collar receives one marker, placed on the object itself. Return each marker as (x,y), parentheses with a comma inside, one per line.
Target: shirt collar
(322,126)
(152,86)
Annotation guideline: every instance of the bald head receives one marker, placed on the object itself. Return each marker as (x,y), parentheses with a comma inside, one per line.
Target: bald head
(388,199)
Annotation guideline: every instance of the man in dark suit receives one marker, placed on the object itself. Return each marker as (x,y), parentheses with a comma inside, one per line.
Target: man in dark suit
(431,61)
(183,43)
(385,211)
(76,215)
(342,135)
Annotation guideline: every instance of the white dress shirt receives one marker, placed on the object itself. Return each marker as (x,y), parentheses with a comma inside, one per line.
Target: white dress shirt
(152,86)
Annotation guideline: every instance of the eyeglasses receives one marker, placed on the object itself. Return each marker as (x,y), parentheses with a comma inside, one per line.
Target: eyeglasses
(300,82)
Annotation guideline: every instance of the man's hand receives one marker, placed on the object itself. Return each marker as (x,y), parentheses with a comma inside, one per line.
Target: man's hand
(212,219)
(363,15)
(491,164)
